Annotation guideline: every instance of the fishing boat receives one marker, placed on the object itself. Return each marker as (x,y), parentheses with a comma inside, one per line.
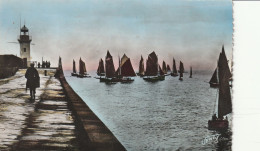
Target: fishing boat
(153,70)
(181,70)
(82,70)
(100,69)
(74,73)
(190,72)
(168,69)
(223,101)
(164,68)
(214,83)
(125,70)
(174,69)
(110,74)
(141,67)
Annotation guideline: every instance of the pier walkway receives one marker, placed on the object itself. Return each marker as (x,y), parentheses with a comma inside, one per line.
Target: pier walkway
(58,119)
(43,124)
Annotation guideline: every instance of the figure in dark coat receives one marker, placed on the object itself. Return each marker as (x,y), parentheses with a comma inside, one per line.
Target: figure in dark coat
(33,80)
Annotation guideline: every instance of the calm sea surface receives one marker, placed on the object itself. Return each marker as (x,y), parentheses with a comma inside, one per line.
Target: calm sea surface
(166,115)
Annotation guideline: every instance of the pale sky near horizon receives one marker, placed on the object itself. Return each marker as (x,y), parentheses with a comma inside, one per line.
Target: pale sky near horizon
(192,31)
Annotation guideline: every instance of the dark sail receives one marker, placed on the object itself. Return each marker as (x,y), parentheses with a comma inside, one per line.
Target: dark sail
(74,67)
(82,67)
(126,68)
(100,69)
(168,68)
(152,65)
(190,72)
(161,71)
(225,58)
(110,69)
(174,69)
(214,78)
(181,69)
(141,66)
(224,101)
(164,68)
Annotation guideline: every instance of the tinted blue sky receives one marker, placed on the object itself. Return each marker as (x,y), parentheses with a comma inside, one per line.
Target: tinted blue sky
(192,31)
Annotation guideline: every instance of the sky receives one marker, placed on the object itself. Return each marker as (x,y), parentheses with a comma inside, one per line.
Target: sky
(192,31)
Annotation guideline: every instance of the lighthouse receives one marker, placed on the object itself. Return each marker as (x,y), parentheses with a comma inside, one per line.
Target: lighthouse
(25,40)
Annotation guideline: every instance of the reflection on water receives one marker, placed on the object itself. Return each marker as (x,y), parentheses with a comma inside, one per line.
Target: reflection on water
(166,115)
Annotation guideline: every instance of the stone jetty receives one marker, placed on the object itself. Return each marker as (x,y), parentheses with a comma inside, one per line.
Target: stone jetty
(58,119)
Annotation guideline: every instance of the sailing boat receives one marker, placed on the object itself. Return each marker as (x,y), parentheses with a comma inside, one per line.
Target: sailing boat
(125,70)
(164,68)
(152,73)
(174,69)
(141,67)
(190,72)
(224,102)
(74,73)
(101,69)
(214,82)
(181,70)
(82,70)
(110,75)
(168,69)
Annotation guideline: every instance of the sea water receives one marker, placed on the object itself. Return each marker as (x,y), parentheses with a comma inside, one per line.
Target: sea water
(164,115)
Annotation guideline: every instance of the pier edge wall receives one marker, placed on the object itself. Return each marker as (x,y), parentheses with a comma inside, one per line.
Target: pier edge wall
(92,132)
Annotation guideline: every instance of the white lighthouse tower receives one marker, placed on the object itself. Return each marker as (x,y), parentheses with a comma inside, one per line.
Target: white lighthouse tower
(25,40)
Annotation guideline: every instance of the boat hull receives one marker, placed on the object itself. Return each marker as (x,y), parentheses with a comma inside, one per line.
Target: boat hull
(213,85)
(109,80)
(216,85)
(218,124)
(83,76)
(74,74)
(154,79)
(99,77)
(101,74)
(126,80)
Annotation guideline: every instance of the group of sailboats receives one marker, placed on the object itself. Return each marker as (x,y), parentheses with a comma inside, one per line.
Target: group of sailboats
(154,72)
(125,71)
(223,103)
(82,70)
(123,74)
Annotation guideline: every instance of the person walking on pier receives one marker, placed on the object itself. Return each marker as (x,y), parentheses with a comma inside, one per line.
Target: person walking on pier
(33,80)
